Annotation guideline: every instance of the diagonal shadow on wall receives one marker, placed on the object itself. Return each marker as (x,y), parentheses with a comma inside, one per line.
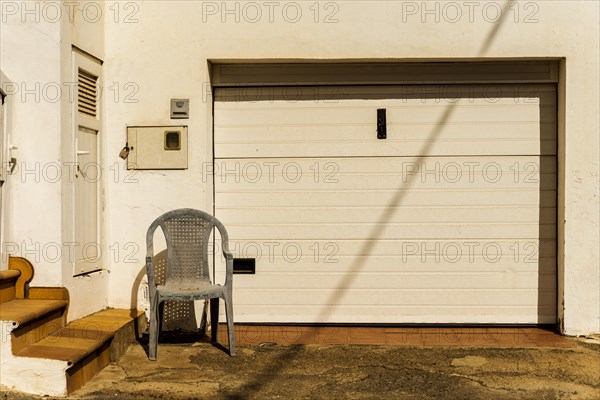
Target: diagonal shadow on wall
(270,373)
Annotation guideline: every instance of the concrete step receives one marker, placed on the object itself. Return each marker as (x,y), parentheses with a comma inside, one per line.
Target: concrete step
(68,358)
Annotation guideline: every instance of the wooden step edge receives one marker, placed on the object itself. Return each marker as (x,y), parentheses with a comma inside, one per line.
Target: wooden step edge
(8,290)
(48,293)
(128,334)
(130,324)
(93,342)
(90,343)
(85,336)
(32,320)
(33,332)
(23,311)
(108,319)
(68,344)
(9,275)
(26,270)
(81,373)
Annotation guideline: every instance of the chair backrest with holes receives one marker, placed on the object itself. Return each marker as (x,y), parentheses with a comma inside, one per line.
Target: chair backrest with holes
(187,233)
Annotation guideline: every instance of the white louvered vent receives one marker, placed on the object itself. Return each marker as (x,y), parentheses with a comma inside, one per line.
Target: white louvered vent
(87,93)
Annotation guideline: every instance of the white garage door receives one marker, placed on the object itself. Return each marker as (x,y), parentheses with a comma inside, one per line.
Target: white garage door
(450,219)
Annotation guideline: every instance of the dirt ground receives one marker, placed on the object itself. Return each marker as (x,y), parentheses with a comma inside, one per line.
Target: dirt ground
(201,371)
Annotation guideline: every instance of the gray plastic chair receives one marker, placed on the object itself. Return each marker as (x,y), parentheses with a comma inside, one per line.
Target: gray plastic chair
(187,233)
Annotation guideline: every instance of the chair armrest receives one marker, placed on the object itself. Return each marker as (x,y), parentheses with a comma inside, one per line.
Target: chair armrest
(228,266)
(150,272)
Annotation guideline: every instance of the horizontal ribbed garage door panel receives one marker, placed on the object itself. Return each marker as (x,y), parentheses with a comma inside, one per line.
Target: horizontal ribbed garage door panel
(376,229)
(360,113)
(394,253)
(408,215)
(438,173)
(401,282)
(391,148)
(409,306)
(451,219)
(429,181)
(346,127)
(359,199)
(404,297)
(366,313)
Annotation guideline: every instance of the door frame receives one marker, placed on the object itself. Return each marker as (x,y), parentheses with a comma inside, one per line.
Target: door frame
(3,144)
(80,60)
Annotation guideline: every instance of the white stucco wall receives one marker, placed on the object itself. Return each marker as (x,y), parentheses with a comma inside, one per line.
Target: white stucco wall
(36,40)
(30,59)
(158,50)
(165,53)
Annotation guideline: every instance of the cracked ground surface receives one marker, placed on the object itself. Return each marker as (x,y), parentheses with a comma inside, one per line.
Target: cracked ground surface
(200,371)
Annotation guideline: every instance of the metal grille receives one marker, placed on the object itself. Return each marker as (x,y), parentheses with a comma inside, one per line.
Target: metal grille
(87,93)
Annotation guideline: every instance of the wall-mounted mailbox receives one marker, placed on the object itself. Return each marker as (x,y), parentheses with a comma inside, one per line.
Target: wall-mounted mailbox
(157,147)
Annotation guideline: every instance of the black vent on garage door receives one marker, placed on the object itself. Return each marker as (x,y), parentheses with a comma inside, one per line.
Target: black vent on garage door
(87,93)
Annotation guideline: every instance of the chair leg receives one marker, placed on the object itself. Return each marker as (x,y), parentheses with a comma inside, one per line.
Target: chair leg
(161,319)
(154,327)
(203,319)
(214,319)
(230,334)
